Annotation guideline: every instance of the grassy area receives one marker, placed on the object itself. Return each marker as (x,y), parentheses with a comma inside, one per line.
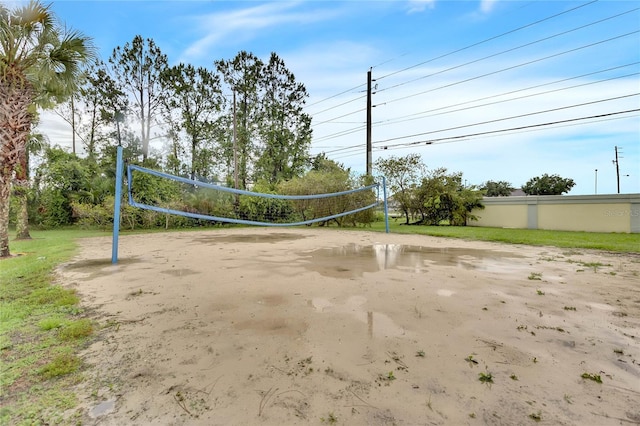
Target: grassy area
(41,331)
(629,243)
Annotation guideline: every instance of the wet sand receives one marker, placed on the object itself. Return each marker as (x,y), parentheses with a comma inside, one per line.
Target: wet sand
(260,326)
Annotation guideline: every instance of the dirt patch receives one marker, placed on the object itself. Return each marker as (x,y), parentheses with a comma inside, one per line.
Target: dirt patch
(255,326)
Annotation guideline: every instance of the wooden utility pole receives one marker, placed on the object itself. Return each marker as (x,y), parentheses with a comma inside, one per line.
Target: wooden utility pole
(369,148)
(617,163)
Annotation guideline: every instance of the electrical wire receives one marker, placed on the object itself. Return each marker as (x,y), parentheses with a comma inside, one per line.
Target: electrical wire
(400,119)
(453,138)
(506,51)
(509,118)
(488,39)
(514,66)
(422,115)
(506,133)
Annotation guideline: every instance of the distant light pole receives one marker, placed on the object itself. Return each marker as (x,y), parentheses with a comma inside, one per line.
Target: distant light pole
(596,181)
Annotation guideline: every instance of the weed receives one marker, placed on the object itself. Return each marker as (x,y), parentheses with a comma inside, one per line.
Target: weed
(618,351)
(62,364)
(513,377)
(570,308)
(540,292)
(470,360)
(429,403)
(51,323)
(331,419)
(486,377)
(571,253)
(76,330)
(535,360)
(536,416)
(595,377)
(472,415)
(613,273)
(567,398)
(385,378)
(420,353)
(535,276)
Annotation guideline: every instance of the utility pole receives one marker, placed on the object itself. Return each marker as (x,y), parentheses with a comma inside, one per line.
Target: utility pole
(596,181)
(369,148)
(617,163)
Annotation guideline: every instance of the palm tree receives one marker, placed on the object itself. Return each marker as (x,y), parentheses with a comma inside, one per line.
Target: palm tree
(36,143)
(40,61)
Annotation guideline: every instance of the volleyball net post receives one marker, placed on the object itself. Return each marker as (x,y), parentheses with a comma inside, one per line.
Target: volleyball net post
(116,206)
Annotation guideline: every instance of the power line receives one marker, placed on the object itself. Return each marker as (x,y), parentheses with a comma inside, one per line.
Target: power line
(337,94)
(509,118)
(453,138)
(340,116)
(519,90)
(506,51)
(453,52)
(515,66)
(504,132)
(487,40)
(423,114)
(339,105)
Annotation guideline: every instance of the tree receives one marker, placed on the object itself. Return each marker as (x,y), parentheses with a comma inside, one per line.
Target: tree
(403,175)
(497,189)
(92,111)
(548,185)
(137,68)
(39,64)
(285,130)
(243,75)
(192,102)
(444,199)
(36,143)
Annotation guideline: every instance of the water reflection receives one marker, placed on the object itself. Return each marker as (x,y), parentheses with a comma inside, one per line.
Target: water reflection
(353,260)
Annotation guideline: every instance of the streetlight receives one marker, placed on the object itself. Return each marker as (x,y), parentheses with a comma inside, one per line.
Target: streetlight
(596,181)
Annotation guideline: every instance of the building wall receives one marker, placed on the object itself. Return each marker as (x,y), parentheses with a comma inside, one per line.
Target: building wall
(592,213)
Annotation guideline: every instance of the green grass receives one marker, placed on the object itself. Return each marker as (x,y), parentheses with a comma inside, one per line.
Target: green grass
(41,330)
(614,242)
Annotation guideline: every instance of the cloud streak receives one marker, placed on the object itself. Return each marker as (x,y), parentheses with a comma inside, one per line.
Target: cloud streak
(242,25)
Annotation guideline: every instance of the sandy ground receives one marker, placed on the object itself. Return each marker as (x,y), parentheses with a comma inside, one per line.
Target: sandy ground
(260,326)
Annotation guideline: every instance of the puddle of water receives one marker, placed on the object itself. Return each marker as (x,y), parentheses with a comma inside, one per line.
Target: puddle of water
(102,409)
(248,238)
(377,324)
(353,260)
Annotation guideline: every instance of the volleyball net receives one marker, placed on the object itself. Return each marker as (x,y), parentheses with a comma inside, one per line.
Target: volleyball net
(211,202)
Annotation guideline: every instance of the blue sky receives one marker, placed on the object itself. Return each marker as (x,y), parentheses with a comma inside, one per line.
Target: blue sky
(438,65)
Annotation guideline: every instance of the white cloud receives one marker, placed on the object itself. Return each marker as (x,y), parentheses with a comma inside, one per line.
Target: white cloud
(417,6)
(248,24)
(486,6)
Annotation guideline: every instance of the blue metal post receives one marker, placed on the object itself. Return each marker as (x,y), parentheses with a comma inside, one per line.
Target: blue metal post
(386,207)
(116,207)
